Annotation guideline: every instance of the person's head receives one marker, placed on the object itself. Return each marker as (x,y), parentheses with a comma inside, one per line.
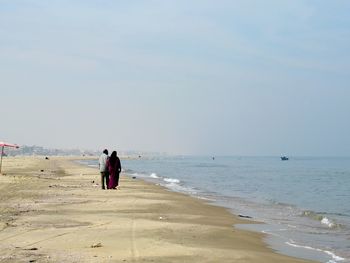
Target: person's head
(105,151)
(113,157)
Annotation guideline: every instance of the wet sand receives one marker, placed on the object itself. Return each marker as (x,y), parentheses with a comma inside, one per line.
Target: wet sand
(54,211)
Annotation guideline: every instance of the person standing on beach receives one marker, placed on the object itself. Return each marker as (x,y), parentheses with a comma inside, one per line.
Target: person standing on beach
(114,168)
(102,163)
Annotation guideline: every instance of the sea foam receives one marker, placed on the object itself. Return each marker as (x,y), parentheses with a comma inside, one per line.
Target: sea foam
(334,259)
(321,218)
(172,180)
(154,175)
(327,222)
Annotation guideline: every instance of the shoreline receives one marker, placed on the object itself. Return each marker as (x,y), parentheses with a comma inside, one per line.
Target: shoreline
(292,229)
(54,211)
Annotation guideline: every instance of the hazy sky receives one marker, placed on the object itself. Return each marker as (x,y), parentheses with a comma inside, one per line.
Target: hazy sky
(186,77)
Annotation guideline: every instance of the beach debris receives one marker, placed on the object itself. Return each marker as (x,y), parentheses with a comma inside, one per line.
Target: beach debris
(33,248)
(96,245)
(134,177)
(244,216)
(41,170)
(47,158)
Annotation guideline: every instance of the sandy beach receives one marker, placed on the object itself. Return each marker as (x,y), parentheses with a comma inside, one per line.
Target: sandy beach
(54,211)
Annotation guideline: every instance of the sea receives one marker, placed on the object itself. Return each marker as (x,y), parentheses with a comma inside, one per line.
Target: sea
(304,201)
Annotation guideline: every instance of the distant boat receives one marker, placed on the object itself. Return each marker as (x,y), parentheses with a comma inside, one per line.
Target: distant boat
(284,158)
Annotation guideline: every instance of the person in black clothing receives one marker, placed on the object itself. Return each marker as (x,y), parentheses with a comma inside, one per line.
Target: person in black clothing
(114,168)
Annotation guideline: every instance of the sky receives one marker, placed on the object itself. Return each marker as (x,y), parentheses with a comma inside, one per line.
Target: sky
(196,77)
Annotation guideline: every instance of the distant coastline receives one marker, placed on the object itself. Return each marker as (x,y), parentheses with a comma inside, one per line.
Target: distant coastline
(30,150)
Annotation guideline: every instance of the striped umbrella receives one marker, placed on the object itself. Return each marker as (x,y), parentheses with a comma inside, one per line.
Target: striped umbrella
(3,145)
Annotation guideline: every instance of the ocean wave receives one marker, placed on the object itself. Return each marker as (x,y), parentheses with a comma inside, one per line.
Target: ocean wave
(172,180)
(321,218)
(205,198)
(285,205)
(181,188)
(337,214)
(312,215)
(334,259)
(138,174)
(154,175)
(327,222)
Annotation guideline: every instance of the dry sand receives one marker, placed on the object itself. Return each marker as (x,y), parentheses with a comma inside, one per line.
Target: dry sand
(54,211)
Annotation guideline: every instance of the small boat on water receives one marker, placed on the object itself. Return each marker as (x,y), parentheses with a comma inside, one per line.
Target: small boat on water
(284,158)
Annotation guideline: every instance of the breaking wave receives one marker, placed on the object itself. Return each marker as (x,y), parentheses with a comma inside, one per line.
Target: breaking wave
(154,175)
(172,180)
(321,218)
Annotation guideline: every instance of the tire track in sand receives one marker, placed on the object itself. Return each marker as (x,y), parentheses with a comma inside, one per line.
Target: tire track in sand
(65,233)
(134,251)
